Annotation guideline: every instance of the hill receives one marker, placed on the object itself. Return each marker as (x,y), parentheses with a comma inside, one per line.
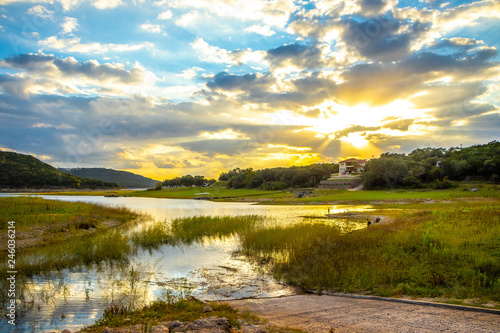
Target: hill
(25,171)
(122,178)
(434,167)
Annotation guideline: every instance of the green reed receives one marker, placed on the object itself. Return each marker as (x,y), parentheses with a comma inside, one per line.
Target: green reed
(190,230)
(451,251)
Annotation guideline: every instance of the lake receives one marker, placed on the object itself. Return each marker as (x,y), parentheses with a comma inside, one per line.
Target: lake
(209,270)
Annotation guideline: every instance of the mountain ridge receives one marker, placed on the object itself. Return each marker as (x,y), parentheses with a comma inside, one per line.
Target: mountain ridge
(122,178)
(19,171)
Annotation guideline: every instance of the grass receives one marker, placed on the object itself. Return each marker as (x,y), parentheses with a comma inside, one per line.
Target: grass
(451,251)
(182,309)
(197,192)
(42,222)
(437,249)
(109,247)
(364,196)
(189,230)
(485,190)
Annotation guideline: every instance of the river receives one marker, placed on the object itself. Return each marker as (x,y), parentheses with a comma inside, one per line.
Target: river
(210,270)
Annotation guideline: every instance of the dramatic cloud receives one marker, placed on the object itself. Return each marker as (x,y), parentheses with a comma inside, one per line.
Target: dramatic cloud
(170,87)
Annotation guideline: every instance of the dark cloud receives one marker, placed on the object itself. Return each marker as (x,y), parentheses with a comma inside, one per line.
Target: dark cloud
(42,63)
(96,71)
(300,55)
(391,81)
(308,91)
(314,113)
(14,85)
(401,125)
(354,129)
(247,82)
(473,62)
(29,61)
(483,127)
(168,163)
(371,7)
(438,96)
(380,38)
(220,146)
(462,110)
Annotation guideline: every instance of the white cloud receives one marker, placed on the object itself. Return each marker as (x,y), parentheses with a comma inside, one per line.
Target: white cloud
(71,4)
(187,19)
(270,12)
(190,72)
(74,45)
(106,4)
(227,134)
(69,25)
(165,15)
(211,53)
(261,30)
(218,55)
(153,28)
(42,12)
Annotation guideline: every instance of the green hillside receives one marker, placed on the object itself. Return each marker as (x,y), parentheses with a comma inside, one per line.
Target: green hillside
(122,178)
(25,171)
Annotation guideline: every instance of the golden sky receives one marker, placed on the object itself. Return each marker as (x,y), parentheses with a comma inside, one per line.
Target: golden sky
(167,88)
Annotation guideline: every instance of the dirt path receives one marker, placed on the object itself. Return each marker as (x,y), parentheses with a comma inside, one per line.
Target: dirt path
(314,313)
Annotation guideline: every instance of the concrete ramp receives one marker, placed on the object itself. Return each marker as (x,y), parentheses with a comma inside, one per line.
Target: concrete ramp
(313,313)
(357,188)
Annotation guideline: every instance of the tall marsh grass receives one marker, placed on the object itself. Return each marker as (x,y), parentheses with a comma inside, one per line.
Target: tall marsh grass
(451,251)
(190,230)
(32,212)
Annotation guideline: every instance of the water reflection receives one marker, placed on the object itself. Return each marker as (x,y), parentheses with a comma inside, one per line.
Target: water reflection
(210,267)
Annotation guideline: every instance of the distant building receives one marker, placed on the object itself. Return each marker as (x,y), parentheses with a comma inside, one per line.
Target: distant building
(351,165)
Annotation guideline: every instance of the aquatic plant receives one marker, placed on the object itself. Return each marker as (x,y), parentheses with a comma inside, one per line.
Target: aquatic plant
(189,230)
(450,251)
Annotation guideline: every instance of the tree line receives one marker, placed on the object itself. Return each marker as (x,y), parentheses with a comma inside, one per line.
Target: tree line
(279,178)
(435,167)
(267,179)
(188,180)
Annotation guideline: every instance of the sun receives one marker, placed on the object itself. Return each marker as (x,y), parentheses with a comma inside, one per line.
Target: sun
(355,139)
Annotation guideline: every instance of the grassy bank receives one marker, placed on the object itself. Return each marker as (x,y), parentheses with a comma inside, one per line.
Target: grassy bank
(446,251)
(171,308)
(41,222)
(463,191)
(324,196)
(436,249)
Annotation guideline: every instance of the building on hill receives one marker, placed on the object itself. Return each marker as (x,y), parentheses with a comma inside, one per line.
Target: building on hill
(351,165)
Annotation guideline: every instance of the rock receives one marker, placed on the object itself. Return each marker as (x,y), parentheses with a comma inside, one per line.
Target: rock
(159,329)
(66,331)
(177,326)
(207,308)
(212,323)
(106,330)
(253,329)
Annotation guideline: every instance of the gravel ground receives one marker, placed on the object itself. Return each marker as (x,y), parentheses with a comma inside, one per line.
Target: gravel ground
(314,313)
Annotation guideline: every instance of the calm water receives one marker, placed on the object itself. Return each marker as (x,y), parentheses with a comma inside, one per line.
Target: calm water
(210,270)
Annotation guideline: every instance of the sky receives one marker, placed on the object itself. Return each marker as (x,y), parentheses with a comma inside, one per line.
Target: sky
(172,87)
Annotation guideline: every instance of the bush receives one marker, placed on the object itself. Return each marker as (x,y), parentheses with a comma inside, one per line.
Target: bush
(442,184)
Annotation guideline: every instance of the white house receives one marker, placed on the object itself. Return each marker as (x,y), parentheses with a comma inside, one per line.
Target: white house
(351,165)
